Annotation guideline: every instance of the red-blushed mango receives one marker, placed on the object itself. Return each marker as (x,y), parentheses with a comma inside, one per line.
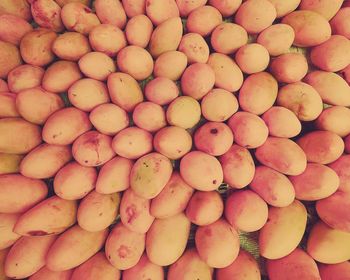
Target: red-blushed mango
(335,271)
(36,105)
(327,245)
(98,211)
(277,238)
(3,254)
(283,155)
(51,216)
(219,105)
(190,266)
(124,247)
(255,15)
(332,55)
(135,61)
(7,236)
(45,160)
(310,28)
(333,210)
(170,64)
(93,149)
(340,22)
(74,181)
(97,267)
(24,77)
(297,265)
(74,247)
(203,20)
(46,274)
(150,174)
(342,167)
(176,229)
(135,212)
(143,270)
(138,31)
(60,75)
(173,199)
(109,118)
(134,7)
(228,76)
(226,8)
(180,144)
(13,28)
(65,125)
(249,130)
(321,146)
(9,163)
(140,139)
(246,211)
(166,37)
(213,138)
(8,105)
(161,90)
(302,99)
(19,8)
(204,208)
(228,37)
(27,256)
(149,116)
(326,8)
(161,10)
(18,136)
(238,167)
(107,182)
(36,47)
(217,244)
(197,80)
(186,7)
(195,48)
(107,38)
(272,186)
(277,38)
(244,267)
(258,93)
(79,18)
(335,119)
(10,58)
(289,67)
(97,65)
(19,193)
(111,12)
(201,171)
(332,88)
(71,46)
(285,7)
(252,58)
(316,182)
(86,94)
(124,91)
(184,111)
(47,14)
(282,122)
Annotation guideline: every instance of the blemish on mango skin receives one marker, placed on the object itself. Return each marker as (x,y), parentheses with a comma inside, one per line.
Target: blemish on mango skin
(37,233)
(123,251)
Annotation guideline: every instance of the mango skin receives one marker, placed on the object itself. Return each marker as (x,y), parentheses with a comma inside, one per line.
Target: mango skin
(7,236)
(144,270)
(190,266)
(335,271)
(46,274)
(277,239)
(9,163)
(176,229)
(327,245)
(51,216)
(3,254)
(74,247)
(19,193)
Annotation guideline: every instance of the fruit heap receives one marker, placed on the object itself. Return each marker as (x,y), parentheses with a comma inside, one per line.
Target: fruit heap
(147,139)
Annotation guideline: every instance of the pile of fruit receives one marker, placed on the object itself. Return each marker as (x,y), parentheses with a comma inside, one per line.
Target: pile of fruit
(175,139)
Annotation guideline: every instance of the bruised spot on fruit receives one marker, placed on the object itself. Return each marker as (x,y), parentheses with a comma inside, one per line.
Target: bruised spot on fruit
(214,131)
(123,251)
(131,213)
(37,233)
(214,182)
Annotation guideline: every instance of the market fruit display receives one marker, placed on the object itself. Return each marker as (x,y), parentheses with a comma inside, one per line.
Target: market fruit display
(174,139)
